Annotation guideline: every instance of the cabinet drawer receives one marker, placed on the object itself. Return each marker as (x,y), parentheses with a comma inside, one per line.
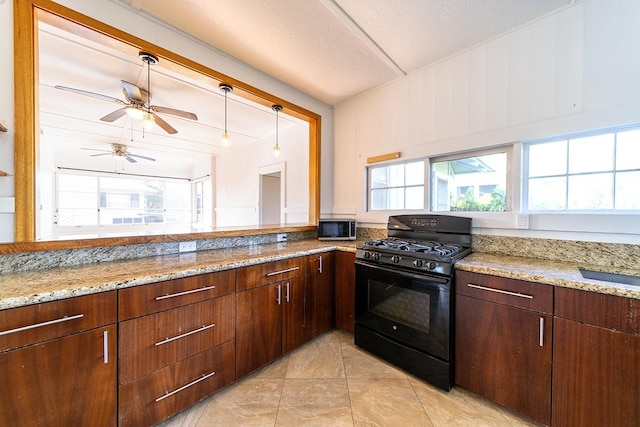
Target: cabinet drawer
(141,300)
(262,274)
(41,322)
(607,311)
(156,396)
(516,293)
(152,342)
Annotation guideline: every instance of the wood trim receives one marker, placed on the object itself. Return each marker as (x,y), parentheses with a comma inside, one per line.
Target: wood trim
(26,140)
(383,157)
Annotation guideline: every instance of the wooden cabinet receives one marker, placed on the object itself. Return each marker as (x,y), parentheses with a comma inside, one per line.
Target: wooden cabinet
(177,345)
(345,286)
(596,361)
(323,289)
(273,311)
(503,342)
(58,362)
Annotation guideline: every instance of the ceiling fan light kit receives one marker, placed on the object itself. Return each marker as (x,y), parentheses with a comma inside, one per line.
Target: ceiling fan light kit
(137,103)
(276,148)
(226,138)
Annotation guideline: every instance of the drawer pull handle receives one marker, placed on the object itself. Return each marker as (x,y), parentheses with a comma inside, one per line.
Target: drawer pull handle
(500,291)
(286,270)
(177,337)
(38,325)
(179,294)
(167,394)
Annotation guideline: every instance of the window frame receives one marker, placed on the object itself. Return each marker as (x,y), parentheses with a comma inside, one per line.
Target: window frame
(511,194)
(369,181)
(525,177)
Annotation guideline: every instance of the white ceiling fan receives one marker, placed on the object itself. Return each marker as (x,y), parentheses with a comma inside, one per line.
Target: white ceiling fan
(137,103)
(120,150)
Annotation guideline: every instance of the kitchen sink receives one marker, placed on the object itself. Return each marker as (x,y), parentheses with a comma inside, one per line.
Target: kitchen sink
(610,277)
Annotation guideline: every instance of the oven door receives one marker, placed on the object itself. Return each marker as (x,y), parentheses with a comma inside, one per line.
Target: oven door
(409,308)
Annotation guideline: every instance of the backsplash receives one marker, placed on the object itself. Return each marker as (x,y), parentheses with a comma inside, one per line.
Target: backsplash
(589,253)
(29,261)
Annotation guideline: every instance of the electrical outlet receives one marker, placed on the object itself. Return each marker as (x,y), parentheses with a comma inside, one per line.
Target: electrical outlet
(187,246)
(522,221)
(281,237)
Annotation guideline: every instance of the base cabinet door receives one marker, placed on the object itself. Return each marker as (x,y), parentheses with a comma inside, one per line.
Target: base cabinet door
(323,306)
(296,312)
(345,283)
(258,327)
(69,381)
(504,354)
(596,376)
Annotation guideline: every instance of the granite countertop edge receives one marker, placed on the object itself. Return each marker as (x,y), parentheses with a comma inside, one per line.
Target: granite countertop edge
(555,273)
(33,287)
(38,286)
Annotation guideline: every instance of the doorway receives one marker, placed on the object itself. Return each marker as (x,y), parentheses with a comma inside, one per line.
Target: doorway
(271,203)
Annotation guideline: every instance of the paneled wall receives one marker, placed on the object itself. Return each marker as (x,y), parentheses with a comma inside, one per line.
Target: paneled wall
(576,69)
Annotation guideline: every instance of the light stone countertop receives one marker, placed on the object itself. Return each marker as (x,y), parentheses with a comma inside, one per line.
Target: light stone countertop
(32,287)
(556,273)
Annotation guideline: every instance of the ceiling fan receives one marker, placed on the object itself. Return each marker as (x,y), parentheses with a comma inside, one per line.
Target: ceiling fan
(137,103)
(120,150)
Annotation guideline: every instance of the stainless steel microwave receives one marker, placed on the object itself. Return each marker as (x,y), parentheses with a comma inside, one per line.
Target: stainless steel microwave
(337,229)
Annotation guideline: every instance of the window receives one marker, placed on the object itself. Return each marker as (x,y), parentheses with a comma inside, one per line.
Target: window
(584,172)
(473,182)
(397,186)
(98,200)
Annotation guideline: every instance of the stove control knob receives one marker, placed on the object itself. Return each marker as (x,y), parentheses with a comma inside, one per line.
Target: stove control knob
(376,256)
(431,265)
(417,263)
(367,255)
(395,259)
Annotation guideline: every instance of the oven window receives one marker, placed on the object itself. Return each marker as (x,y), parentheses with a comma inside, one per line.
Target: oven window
(400,304)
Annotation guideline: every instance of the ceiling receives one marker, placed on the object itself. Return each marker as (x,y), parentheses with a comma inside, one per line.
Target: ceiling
(335,49)
(330,49)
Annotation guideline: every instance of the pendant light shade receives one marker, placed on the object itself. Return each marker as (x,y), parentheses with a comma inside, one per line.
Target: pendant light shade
(276,148)
(226,138)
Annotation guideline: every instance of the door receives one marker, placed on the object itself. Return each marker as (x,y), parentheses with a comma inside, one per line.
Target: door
(271,198)
(345,280)
(296,312)
(504,354)
(67,381)
(322,309)
(258,327)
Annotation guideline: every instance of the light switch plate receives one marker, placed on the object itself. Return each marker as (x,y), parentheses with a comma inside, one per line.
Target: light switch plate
(522,221)
(281,237)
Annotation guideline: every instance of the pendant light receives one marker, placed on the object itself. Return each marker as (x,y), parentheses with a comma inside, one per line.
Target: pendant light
(276,148)
(226,138)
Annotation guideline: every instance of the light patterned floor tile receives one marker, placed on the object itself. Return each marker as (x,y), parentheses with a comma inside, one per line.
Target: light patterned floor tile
(315,402)
(385,402)
(321,358)
(458,407)
(253,402)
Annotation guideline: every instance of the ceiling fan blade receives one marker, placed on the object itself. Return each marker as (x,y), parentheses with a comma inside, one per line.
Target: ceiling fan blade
(142,157)
(103,154)
(130,159)
(96,149)
(174,112)
(132,91)
(111,117)
(91,94)
(164,125)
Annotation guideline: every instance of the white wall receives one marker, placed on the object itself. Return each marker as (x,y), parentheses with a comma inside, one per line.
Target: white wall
(127,20)
(576,69)
(240,169)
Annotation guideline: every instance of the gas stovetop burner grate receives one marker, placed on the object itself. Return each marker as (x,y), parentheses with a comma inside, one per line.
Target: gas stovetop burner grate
(423,247)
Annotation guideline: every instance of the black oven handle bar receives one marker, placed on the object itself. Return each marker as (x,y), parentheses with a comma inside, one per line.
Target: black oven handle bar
(406,274)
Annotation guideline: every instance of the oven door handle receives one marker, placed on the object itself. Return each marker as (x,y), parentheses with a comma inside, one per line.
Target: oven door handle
(405,274)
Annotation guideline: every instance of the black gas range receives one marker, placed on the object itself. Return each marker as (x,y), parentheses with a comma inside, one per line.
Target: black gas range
(403,293)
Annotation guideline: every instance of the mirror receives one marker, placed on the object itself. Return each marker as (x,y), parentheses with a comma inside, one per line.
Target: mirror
(61,129)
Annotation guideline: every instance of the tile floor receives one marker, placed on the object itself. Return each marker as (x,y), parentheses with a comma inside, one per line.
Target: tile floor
(331,382)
